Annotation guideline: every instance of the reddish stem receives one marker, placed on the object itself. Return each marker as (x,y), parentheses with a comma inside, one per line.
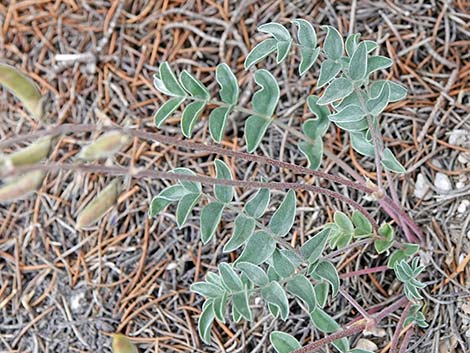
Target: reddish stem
(406,340)
(364,271)
(355,328)
(399,328)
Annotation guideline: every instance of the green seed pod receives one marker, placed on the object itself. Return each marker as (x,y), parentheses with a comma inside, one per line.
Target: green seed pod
(22,186)
(23,88)
(105,146)
(122,344)
(32,154)
(101,204)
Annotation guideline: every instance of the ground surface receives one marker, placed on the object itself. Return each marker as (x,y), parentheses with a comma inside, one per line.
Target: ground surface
(63,290)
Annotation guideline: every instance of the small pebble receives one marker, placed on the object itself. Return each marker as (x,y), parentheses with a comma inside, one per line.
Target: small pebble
(463,206)
(367,345)
(442,182)
(422,186)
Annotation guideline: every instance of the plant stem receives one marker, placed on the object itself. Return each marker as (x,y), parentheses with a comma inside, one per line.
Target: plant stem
(354,303)
(364,271)
(351,330)
(406,340)
(76,128)
(399,328)
(146,173)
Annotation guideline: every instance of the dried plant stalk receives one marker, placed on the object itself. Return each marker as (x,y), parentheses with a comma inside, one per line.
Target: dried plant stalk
(101,204)
(22,186)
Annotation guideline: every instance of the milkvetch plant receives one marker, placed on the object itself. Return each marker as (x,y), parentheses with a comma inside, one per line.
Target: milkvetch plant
(266,265)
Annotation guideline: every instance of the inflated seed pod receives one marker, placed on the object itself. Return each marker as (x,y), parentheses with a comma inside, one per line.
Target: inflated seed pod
(104,146)
(32,154)
(122,344)
(23,88)
(21,186)
(101,204)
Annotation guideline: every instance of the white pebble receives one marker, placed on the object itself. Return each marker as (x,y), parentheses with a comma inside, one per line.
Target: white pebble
(367,345)
(463,206)
(422,186)
(442,182)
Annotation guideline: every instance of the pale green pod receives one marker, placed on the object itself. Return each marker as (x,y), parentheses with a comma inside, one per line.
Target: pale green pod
(101,204)
(21,186)
(32,154)
(104,146)
(23,88)
(122,344)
